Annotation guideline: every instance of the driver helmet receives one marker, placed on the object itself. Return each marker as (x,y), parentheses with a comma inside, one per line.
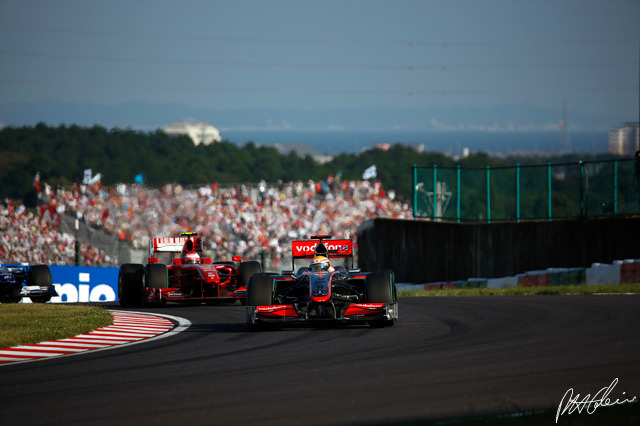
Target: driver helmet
(192,258)
(320,263)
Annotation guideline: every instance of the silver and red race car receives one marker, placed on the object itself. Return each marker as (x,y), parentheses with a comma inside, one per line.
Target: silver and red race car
(188,278)
(317,296)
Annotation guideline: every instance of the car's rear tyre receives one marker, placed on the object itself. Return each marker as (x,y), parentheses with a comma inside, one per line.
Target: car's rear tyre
(245,271)
(380,288)
(130,284)
(260,290)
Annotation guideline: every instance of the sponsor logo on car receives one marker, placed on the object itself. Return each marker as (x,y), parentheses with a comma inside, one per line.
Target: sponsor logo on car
(369,305)
(336,247)
(271,308)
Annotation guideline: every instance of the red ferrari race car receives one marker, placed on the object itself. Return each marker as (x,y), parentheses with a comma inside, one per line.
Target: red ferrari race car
(322,293)
(188,278)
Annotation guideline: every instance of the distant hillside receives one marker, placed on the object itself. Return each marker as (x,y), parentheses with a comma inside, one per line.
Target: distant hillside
(61,154)
(143,116)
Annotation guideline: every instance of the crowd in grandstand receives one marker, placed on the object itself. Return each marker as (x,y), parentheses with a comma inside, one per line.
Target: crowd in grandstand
(253,221)
(25,238)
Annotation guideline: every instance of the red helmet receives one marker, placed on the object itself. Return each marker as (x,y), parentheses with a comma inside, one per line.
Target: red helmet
(192,258)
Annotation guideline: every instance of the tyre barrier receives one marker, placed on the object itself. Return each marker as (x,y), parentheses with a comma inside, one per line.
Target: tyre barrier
(629,271)
(619,272)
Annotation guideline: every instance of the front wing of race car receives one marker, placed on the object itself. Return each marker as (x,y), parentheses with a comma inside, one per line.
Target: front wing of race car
(38,291)
(354,312)
(161,295)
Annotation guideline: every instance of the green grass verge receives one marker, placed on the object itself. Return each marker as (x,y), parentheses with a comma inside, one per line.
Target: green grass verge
(28,323)
(527,291)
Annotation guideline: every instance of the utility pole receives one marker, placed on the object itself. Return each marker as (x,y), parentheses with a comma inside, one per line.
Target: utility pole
(566,143)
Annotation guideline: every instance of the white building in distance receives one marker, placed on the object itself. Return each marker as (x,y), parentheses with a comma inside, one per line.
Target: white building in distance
(200,133)
(624,140)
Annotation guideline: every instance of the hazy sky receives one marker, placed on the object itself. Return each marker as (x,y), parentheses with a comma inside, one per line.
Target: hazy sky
(305,54)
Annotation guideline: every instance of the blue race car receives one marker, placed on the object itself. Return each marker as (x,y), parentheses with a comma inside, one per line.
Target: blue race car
(32,281)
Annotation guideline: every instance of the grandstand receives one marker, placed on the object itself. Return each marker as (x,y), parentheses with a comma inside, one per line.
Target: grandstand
(255,221)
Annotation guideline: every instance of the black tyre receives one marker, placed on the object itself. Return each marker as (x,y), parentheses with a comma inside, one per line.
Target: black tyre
(246,270)
(130,286)
(381,288)
(260,290)
(39,275)
(156,276)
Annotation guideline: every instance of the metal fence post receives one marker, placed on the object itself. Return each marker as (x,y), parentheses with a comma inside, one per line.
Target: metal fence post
(458,191)
(415,192)
(582,206)
(435,190)
(615,187)
(549,191)
(488,195)
(518,192)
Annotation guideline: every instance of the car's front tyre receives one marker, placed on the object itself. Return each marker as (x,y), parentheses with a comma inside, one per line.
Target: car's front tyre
(39,275)
(260,292)
(130,284)
(380,288)
(156,275)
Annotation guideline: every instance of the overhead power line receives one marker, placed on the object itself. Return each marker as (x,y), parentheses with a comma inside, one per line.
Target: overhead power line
(442,67)
(407,43)
(428,92)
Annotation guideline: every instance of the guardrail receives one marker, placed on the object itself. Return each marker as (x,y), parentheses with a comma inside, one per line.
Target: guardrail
(618,272)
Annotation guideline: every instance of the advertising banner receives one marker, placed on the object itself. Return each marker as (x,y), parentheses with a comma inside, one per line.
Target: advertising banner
(84,284)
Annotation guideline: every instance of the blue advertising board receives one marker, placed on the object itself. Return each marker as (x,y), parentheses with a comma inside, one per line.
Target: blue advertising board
(84,284)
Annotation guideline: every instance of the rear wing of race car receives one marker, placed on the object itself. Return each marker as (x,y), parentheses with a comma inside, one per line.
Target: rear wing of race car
(187,242)
(307,249)
(173,245)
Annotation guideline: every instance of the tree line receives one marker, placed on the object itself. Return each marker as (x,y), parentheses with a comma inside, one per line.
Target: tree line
(61,154)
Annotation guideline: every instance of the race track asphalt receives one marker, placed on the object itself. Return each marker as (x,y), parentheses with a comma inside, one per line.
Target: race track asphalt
(447,357)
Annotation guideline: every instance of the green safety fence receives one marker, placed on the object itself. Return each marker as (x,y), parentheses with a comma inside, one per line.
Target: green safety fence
(526,192)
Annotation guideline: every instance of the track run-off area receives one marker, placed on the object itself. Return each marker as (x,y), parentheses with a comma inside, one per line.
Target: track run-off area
(447,357)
